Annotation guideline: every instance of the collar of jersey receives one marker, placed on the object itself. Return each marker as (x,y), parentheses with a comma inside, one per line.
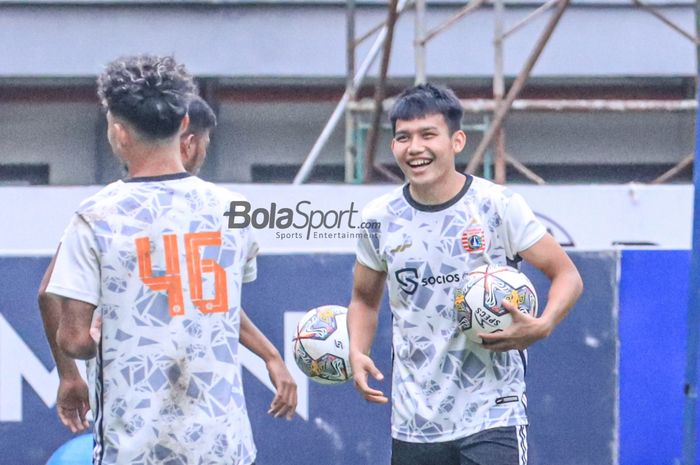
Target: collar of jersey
(163,177)
(441,206)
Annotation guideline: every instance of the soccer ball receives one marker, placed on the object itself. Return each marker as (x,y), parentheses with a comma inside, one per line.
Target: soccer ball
(478,305)
(322,345)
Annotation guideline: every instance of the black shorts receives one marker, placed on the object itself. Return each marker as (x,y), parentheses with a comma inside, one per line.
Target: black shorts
(496,446)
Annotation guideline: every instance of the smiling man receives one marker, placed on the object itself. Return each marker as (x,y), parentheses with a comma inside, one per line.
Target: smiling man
(455,402)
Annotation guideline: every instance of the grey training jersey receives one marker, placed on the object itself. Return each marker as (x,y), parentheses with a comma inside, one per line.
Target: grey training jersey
(444,386)
(158,260)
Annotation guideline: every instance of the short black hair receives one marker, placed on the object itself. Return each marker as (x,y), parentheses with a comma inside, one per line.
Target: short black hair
(149,92)
(427,99)
(202,117)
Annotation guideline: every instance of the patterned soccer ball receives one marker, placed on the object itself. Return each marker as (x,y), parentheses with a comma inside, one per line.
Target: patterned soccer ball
(322,345)
(478,305)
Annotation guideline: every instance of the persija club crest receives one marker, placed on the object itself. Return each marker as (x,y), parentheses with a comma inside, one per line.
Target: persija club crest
(474,239)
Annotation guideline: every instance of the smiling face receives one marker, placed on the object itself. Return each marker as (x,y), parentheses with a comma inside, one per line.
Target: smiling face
(425,151)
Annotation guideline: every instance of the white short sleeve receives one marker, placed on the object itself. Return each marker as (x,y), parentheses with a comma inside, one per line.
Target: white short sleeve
(523,229)
(367,250)
(250,269)
(63,236)
(76,274)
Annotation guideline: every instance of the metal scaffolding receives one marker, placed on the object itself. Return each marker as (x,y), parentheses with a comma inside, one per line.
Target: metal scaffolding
(361,137)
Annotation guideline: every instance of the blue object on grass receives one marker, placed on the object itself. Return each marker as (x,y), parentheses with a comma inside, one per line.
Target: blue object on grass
(77,451)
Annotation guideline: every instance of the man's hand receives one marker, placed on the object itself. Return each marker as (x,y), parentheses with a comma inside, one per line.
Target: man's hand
(72,404)
(284,403)
(96,329)
(525,330)
(362,367)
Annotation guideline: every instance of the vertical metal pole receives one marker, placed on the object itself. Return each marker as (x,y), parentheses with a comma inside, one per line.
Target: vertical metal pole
(487,166)
(499,92)
(209,91)
(517,86)
(350,144)
(419,44)
(379,91)
(361,143)
(99,158)
(691,368)
(328,129)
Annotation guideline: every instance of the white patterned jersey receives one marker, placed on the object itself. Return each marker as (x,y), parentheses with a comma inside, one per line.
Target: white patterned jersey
(156,256)
(445,387)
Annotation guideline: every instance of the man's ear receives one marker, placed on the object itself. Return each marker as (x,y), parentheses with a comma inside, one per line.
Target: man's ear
(184,124)
(187,146)
(459,140)
(122,135)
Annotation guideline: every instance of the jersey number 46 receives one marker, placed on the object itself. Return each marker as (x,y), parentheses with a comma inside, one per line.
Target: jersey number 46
(171,282)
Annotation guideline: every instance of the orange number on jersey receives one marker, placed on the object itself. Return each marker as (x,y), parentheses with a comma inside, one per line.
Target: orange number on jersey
(171,282)
(196,266)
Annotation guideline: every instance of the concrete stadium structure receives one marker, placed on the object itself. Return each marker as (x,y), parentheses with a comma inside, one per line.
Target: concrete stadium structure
(276,69)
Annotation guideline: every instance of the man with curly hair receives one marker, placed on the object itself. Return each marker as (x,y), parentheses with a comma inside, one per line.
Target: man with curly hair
(154,256)
(72,399)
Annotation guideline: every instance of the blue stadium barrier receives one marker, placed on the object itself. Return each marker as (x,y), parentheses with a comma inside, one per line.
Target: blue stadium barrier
(653,332)
(572,377)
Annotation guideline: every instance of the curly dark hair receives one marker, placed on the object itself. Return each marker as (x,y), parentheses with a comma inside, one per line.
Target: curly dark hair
(427,99)
(150,92)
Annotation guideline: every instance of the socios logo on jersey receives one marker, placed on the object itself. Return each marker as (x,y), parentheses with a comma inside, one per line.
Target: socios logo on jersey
(440,279)
(408,279)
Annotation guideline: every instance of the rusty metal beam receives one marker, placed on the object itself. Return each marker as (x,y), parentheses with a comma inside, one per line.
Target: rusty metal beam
(419,46)
(379,94)
(683,164)
(517,86)
(369,33)
(499,89)
(470,8)
(527,172)
(667,21)
(377,27)
(583,105)
(350,149)
(544,7)
(332,122)
(566,105)
(387,173)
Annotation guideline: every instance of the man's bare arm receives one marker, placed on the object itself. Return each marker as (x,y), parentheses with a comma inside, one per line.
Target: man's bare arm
(285,401)
(73,335)
(363,315)
(72,403)
(50,307)
(566,287)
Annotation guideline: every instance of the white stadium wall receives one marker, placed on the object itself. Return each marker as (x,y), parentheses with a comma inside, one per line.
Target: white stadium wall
(271,39)
(593,217)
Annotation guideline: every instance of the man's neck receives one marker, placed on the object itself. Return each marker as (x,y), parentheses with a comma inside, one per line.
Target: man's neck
(155,161)
(438,192)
